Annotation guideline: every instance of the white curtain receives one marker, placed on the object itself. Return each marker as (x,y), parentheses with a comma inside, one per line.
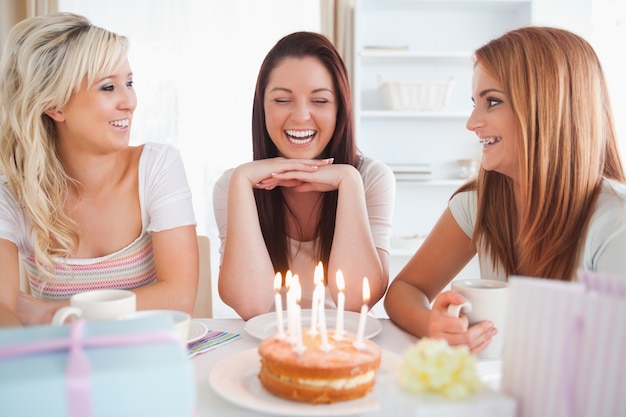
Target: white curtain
(336,24)
(13,11)
(41,7)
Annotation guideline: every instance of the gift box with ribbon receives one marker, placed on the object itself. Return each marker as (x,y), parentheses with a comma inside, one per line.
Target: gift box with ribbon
(96,369)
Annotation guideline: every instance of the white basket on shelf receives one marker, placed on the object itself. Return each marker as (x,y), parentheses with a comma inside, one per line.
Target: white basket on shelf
(415,96)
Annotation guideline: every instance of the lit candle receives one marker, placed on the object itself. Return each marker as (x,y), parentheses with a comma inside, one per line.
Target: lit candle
(358,343)
(297,295)
(341,302)
(278,302)
(325,347)
(290,307)
(318,277)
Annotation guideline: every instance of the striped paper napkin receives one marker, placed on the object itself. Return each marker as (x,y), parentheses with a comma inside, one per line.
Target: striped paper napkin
(212,340)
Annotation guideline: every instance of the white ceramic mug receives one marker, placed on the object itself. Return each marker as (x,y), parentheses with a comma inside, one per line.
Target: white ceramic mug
(97,305)
(180,319)
(487,300)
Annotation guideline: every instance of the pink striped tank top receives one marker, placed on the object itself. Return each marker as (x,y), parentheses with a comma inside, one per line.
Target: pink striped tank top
(128,268)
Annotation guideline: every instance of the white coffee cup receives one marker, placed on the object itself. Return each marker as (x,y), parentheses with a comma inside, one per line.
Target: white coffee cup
(97,305)
(180,319)
(486,300)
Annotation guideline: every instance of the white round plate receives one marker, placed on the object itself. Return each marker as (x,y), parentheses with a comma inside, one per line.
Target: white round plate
(197,330)
(264,325)
(490,372)
(235,378)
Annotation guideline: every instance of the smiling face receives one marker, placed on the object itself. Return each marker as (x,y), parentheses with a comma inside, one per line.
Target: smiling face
(494,123)
(99,117)
(300,107)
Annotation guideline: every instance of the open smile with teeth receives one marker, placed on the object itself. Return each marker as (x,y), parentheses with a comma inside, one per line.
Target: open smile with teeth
(120,123)
(300,137)
(490,141)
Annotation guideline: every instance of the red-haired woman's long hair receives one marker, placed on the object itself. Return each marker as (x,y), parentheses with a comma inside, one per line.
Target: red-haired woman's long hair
(558,93)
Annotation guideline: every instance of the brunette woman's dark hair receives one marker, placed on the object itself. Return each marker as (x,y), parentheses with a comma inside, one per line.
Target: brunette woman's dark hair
(271,206)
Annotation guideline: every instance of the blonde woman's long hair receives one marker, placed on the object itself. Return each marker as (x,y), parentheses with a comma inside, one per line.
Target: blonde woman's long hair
(559,95)
(46,59)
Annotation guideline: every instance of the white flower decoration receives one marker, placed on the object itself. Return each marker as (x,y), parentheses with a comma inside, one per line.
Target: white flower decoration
(436,367)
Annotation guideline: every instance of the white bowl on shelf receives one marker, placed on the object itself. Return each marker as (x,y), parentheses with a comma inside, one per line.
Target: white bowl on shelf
(427,96)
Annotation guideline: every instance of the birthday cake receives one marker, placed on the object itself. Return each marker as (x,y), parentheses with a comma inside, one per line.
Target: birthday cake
(319,374)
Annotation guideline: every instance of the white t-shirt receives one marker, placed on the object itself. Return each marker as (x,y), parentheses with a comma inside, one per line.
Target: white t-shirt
(165,202)
(604,249)
(379,185)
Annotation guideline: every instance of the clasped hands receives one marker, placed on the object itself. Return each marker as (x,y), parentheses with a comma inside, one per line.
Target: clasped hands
(302,175)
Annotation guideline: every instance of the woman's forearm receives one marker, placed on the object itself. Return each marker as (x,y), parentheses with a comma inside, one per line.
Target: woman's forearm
(354,251)
(408,307)
(246,273)
(8,317)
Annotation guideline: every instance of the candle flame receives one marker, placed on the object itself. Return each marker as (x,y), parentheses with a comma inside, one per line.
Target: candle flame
(341,283)
(278,281)
(366,290)
(288,279)
(318,276)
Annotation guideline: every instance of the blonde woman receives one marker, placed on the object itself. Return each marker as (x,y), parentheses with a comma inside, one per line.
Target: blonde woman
(80,209)
(550,196)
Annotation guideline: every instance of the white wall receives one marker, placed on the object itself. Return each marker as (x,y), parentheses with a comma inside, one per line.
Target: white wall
(603,24)
(608,36)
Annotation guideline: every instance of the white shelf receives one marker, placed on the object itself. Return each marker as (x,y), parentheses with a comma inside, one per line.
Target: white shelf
(403,252)
(390,114)
(435,183)
(385,54)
